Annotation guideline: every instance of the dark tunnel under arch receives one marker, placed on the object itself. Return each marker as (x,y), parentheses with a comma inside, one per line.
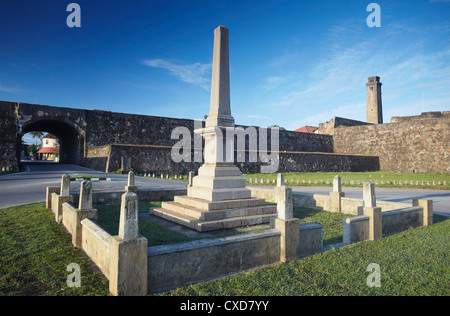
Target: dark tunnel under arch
(69,138)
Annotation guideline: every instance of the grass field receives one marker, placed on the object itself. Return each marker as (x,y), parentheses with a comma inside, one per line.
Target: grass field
(35,252)
(381,178)
(415,262)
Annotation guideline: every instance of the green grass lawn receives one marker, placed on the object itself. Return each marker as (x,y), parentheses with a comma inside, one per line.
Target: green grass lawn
(332,222)
(35,253)
(415,262)
(109,216)
(321,178)
(86,177)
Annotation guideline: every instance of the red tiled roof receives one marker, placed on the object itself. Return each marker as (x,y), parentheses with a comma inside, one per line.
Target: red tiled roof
(48,150)
(306,129)
(50,136)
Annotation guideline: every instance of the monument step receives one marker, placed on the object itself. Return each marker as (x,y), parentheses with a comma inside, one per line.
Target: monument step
(218,205)
(218,170)
(203,226)
(211,194)
(219,182)
(218,214)
(234,222)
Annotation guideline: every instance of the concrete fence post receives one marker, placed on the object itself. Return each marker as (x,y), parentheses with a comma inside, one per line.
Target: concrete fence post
(131,187)
(128,265)
(84,210)
(370,209)
(190,181)
(285,223)
(336,195)
(57,200)
(427,212)
(48,196)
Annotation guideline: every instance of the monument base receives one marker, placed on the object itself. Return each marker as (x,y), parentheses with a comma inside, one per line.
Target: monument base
(203,215)
(219,182)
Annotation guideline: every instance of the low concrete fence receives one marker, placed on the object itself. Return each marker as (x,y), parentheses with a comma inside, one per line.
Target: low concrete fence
(122,258)
(145,195)
(324,202)
(132,268)
(181,264)
(399,220)
(172,266)
(373,224)
(96,243)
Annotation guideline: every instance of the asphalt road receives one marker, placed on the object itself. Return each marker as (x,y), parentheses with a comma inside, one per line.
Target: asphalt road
(441,198)
(29,186)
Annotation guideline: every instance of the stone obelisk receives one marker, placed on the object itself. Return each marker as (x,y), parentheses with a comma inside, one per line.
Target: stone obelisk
(218,178)
(220,111)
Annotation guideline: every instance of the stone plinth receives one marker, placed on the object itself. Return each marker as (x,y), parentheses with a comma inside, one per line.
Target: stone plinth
(202,215)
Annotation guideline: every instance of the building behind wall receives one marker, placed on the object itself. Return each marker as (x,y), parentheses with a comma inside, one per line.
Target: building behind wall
(374,107)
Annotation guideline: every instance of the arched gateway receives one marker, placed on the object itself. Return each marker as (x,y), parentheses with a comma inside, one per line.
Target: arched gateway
(17,119)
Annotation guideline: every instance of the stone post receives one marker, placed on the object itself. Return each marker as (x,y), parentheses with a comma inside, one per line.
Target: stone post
(427,212)
(128,265)
(369,209)
(128,227)
(280,180)
(131,187)
(285,208)
(85,201)
(65,185)
(84,210)
(286,224)
(64,196)
(48,195)
(336,195)
(190,179)
(369,198)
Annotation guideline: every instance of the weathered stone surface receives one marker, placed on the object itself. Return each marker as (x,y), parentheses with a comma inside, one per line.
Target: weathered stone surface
(285,208)
(128,225)
(85,201)
(369,197)
(65,185)
(416,143)
(374,103)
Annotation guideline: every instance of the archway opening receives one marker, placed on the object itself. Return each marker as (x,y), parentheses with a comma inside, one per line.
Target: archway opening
(64,135)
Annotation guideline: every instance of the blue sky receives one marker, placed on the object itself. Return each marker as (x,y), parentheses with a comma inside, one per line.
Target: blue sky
(292,63)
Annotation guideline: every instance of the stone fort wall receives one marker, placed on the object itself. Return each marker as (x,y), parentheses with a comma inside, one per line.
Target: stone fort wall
(418,143)
(146,140)
(413,143)
(8,159)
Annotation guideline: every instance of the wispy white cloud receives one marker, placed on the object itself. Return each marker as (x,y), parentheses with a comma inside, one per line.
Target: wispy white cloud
(197,73)
(335,83)
(11,90)
(258,117)
(347,111)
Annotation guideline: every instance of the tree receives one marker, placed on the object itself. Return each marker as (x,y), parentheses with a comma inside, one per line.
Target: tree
(281,128)
(37,135)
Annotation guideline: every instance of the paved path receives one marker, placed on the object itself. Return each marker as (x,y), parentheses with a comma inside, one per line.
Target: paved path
(29,186)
